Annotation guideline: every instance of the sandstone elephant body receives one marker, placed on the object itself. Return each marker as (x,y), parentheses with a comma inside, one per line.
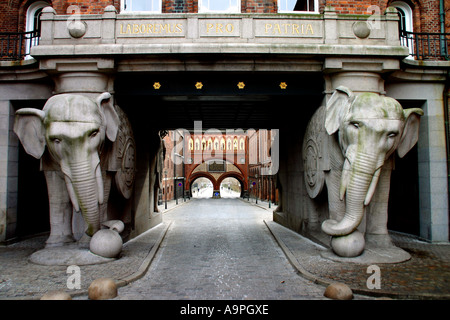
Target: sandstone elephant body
(83,144)
(349,146)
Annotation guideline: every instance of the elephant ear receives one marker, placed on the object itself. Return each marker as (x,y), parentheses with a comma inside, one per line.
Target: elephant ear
(29,127)
(410,133)
(111,118)
(337,108)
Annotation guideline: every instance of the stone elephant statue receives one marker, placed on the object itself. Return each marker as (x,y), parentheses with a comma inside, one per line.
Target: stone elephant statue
(83,144)
(349,146)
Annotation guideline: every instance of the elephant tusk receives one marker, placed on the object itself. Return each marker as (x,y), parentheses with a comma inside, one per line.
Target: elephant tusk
(71,192)
(344,179)
(100,190)
(372,187)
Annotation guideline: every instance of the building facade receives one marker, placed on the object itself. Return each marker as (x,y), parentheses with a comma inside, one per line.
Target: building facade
(173,179)
(229,64)
(217,155)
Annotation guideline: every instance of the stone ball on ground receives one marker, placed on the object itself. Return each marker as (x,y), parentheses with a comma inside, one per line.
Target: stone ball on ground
(102,289)
(56,295)
(106,243)
(351,245)
(338,291)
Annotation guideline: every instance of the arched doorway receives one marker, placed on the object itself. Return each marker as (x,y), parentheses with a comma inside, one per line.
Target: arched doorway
(202,188)
(230,188)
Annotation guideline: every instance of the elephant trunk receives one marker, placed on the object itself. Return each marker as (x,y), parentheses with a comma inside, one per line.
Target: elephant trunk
(85,187)
(358,182)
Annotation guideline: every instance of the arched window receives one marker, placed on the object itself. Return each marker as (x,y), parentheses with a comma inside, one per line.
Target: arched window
(406,15)
(216,144)
(34,15)
(229,144)
(33,23)
(235,144)
(191,144)
(203,144)
(197,144)
(222,144)
(242,144)
(209,144)
(405,24)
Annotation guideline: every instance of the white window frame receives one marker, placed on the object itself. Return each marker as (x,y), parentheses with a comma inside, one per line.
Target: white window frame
(316,8)
(202,7)
(29,25)
(129,9)
(31,11)
(408,14)
(408,20)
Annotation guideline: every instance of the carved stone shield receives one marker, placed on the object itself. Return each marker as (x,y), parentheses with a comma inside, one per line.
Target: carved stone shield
(313,174)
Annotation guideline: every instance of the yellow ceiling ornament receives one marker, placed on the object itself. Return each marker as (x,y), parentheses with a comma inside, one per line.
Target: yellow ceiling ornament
(283,85)
(157,85)
(199,85)
(241,85)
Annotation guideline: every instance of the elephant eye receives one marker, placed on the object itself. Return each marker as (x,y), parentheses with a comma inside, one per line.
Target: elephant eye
(355,124)
(93,134)
(56,140)
(392,134)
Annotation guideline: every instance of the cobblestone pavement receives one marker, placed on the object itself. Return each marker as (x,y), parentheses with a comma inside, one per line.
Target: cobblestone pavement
(228,249)
(220,249)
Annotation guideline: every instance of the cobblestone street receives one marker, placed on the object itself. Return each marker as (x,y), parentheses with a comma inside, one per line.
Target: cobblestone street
(220,249)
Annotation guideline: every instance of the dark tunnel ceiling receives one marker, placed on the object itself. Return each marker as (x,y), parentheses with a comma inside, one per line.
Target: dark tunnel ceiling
(220,103)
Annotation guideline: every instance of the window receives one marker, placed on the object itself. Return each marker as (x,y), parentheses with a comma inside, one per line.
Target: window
(298,5)
(141,5)
(229,6)
(405,14)
(197,144)
(405,24)
(33,22)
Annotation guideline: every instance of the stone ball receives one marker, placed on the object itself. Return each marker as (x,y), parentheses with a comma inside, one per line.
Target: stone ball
(77,29)
(351,245)
(361,29)
(338,291)
(102,289)
(106,243)
(56,295)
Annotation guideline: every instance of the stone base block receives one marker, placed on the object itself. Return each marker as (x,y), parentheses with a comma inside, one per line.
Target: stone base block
(66,256)
(372,255)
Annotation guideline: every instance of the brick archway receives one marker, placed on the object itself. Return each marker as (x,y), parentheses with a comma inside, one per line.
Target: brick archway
(191,177)
(238,176)
(202,174)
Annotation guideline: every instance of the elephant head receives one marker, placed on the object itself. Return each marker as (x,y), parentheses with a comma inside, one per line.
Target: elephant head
(370,128)
(74,129)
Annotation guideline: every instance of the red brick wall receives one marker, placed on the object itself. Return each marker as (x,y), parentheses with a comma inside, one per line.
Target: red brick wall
(13,15)
(259,6)
(426,12)
(180,6)
(86,6)
(352,6)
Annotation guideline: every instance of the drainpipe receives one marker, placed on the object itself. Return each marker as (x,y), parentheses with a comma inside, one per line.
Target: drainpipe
(446,97)
(442,23)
